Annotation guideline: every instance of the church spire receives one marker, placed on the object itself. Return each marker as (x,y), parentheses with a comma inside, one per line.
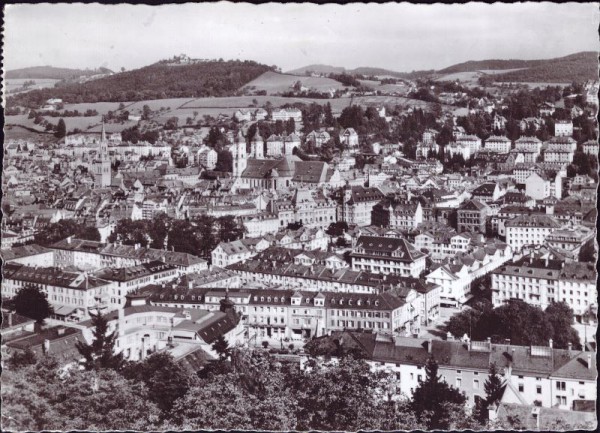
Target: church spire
(103,134)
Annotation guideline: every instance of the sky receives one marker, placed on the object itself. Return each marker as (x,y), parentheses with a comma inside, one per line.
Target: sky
(401,37)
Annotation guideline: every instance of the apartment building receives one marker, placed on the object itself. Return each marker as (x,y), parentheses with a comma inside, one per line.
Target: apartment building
(387,255)
(529,230)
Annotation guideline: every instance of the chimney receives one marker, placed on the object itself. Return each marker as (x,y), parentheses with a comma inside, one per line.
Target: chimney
(550,343)
(589,361)
(429,344)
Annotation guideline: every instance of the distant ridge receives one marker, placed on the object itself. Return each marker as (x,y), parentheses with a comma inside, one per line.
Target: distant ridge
(362,70)
(51,72)
(579,67)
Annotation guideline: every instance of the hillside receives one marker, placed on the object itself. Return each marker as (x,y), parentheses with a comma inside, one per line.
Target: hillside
(575,67)
(50,72)
(362,70)
(157,81)
(273,82)
(318,69)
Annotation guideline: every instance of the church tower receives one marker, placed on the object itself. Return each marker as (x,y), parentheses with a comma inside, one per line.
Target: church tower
(258,146)
(239,155)
(102,170)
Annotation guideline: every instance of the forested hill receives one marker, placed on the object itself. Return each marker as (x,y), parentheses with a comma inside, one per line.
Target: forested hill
(157,81)
(578,67)
(50,72)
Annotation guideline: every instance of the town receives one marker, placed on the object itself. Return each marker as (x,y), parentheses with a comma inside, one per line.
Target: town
(240,257)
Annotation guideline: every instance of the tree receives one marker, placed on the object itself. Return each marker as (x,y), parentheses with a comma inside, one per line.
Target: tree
(22,359)
(61,129)
(430,397)
(172,123)
(222,348)
(32,302)
(164,378)
(224,161)
(560,315)
(253,396)
(63,229)
(229,229)
(100,354)
(493,387)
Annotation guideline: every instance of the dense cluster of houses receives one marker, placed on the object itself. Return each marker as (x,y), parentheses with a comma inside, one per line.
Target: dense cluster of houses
(328,248)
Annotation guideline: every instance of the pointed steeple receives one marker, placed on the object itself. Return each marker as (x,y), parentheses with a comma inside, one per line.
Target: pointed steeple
(103,134)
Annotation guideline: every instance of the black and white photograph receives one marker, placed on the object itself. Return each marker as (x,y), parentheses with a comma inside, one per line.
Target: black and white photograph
(299,217)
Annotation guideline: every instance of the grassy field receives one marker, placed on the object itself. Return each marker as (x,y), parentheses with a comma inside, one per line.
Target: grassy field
(273,82)
(22,120)
(20,133)
(400,88)
(100,107)
(40,83)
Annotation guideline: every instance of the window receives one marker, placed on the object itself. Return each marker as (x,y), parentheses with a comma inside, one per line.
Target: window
(458,382)
(538,389)
(521,387)
(561,386)
(476,384)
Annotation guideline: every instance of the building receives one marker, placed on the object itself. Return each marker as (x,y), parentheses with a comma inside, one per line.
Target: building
(207,158)
(540,282)
(387,255)
(238,152)
(540,186)
(72,294)
(527,230)
(349,138)
(143,329)
(275,146)
(487,192)
(563,128)
(472,216)
(590,148)
(356,204)
(498,144)
(228,253)
(101,165)
(285,114)
(531,375)
(471,141)
(398,214)
(546,109)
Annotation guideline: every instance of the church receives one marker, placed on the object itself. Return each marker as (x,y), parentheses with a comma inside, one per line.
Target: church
(101,168)
(274,174)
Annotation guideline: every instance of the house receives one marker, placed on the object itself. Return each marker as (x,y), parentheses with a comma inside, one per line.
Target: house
(142,329)
(542,281)
(207,158)
(318,138)
(498,122)
(590,148)
(546,109)
(242,115)
(525,230)
(72,294)
(387,255)
(563,128)
(487,192)
(285,114)
(227,253)
(472,216)
(498,144)
(349,138)
(356,204)
(539,186)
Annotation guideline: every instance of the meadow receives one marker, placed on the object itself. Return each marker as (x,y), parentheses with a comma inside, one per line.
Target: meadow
(273,82)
